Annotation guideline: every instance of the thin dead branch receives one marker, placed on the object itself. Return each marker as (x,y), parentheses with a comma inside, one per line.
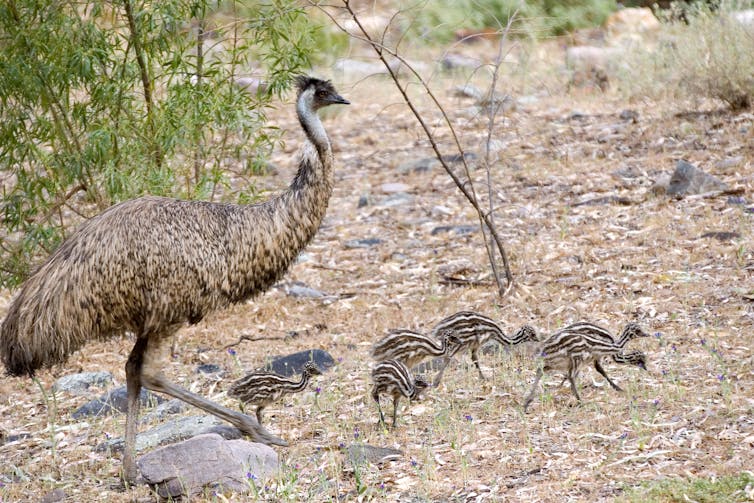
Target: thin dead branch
(466,187)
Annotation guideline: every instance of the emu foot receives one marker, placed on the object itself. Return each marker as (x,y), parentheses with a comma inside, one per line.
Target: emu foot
(257,432)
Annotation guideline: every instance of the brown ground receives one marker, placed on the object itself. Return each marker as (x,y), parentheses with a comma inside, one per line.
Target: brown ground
(645,260)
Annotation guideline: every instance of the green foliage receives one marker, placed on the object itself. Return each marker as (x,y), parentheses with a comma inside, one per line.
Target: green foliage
(706,53)
(438,20)
(101,102)
(719,490)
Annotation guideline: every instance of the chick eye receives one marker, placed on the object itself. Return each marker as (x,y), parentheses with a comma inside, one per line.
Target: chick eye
(321,94)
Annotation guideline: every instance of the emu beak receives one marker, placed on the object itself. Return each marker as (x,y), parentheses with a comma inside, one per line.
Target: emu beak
(337,99)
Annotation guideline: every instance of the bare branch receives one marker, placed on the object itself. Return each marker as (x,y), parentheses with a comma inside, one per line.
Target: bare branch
(467,187)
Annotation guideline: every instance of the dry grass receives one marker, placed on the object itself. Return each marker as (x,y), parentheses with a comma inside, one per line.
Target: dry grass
(689,416)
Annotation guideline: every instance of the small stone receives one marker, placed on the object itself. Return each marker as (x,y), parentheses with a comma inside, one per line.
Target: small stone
(159,413)
(54,496)
(721,235)
(115,400)
(730,162)
(360,453)
(76,383)
(393,200)
(300,290)
(362,243)
(629,115)
(293,364)
(661,184)
(392,188)
(454,61)
(363,201)
(736,200)
(208,368)
(458,230)
(468,91)
(687,179)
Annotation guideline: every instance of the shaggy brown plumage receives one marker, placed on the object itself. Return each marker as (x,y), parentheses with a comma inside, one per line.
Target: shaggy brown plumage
(150,265)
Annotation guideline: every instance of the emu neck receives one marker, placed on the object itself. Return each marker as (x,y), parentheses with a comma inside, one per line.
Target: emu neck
(302,383)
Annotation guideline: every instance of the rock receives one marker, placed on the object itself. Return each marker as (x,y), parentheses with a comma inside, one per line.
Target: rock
(351,67)
(115,400)
(300,290)
(362,243)
(468,91)
(54,496)
(455,61)
(360,453)
(597,201)
(393,200)
(175,431)
(76,383)
(392,188)
(159,413)
(729,162)
(294,364)
(687,179)
(630,25)
(206,462)
(744,17)
(629,115)
(721,235)
(736,200)
(208,368)
(428,163)
(661,184)
(363,201)
(458,230)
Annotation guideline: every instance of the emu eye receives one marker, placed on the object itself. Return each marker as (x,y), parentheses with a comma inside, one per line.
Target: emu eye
(322,94)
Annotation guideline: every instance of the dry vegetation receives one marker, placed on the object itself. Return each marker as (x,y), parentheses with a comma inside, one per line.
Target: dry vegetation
(641,257)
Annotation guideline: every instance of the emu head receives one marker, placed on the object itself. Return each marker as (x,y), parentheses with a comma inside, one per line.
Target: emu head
(420,384)
(320,92)
(527,334)
(633,330)
(311,369)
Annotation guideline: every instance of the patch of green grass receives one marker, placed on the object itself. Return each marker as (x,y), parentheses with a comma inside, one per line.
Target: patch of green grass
(703,490)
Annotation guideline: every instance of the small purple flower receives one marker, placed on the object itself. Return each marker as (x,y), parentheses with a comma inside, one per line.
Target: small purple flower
(658,335)
(382,485)
(664,372)
(340,359)
(721,377)
(414,463)
(656,402)
(673,348)
(251,476)
(356,433)
(107,435)
(543,354)
(342,445)
(623,435)
(231,352)
(468,417)
(318,390)
(703,342)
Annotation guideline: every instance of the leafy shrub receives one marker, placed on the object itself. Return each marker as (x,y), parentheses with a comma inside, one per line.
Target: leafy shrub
(102,101)
(437,20)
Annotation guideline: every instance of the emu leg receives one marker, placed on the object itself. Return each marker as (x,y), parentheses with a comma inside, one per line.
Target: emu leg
(376,398)
(475,359)
(598,367)
(133,387)
(153,379)
(396,399)
(533,390)
(260,408)
(572,377)
(438,377)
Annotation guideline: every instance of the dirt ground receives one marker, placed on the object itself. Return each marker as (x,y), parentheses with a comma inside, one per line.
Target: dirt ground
(625,254)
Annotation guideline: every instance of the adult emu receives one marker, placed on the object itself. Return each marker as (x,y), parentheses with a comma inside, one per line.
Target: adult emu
(150,265)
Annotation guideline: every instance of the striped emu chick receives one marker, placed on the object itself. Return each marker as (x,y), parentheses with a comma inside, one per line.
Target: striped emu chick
(263,388)
(473,330)
(412,348)
(582,343)
(393,377)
